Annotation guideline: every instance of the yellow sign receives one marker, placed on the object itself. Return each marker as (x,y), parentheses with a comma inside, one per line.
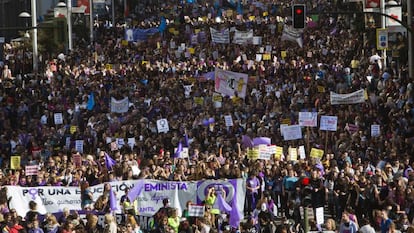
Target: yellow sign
(191,50)
(73,129)
(321,89)
(316,153)
(293,154)
(217,98)
(266,57)
(283,54)
(265,14)
(144,62)
(191,79)
(15,162)
(124,43)
(253,153)
(279,152)
(252,17)
(108,66)
(199,100)
(171,30)
(196,31)
(229,13)
(286,121)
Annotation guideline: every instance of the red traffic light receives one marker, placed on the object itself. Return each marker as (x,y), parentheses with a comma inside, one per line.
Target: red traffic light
(298,16)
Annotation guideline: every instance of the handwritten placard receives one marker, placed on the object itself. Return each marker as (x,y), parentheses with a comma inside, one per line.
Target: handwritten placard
(308,119)
(228,120)
(316,153)
(58,117)
(293,154)
(15,162)
(375,130)
(292,132)
(79,146)
(329,123)
(253,153)
(31,170)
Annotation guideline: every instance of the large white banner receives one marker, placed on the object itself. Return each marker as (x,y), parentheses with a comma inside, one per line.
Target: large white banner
(119,106)
(52,199)
(351,98)
(243,37)
(220,37)
(228,83)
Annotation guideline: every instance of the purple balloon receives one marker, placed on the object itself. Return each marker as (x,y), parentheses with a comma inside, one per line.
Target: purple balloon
(211,120)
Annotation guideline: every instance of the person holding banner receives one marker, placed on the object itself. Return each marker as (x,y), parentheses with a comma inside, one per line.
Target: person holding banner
(211,198)
(128,207)
(86,196)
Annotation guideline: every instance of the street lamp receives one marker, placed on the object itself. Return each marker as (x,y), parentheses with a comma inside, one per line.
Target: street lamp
(25,15)
(68,7)
(34,36)
(410,40)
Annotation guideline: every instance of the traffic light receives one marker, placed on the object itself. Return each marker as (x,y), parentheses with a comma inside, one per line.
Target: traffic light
(299,16)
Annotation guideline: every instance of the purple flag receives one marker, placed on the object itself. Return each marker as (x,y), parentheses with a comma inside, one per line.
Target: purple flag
(112,201)
(186,143)
(221,204)
(236,215)
(136,190)
(109,162)
(177,153)
(247,141)
(261,141)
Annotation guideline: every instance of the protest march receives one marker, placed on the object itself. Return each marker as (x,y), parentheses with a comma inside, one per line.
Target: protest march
(210,116)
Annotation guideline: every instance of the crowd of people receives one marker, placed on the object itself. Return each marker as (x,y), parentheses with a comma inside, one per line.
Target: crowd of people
(363,182)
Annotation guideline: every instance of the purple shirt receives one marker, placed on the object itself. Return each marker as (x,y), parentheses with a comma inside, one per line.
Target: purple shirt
(253,183)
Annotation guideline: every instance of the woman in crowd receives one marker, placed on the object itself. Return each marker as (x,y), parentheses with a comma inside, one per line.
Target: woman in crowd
(110,224)
(52,225)
(86,195)
(92,225)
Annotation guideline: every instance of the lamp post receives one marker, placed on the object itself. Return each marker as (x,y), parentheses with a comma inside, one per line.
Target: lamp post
(91,20)
(33,15)
(410,39)
(68,7)
(383,26)
(34,39)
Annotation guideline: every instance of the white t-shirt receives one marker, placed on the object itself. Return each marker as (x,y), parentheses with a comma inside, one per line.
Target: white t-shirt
(367,229)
